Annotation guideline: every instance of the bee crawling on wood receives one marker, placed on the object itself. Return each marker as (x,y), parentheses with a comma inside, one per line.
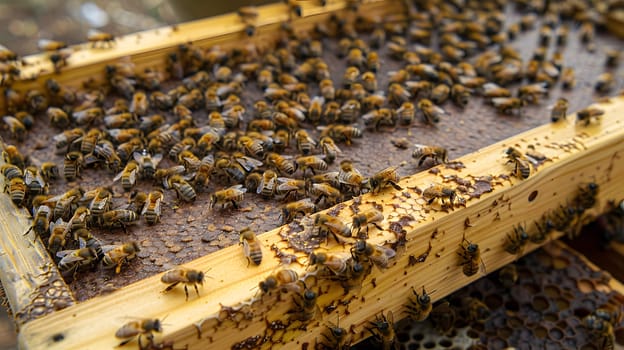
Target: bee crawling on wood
(382,329)
(517,240)
(183,275)
(440,192)
(251,246)
(419,307)
(588,115)
(522,166)
(470,257)
(369,217)
(424,152)
(307,308)
(142,327)
(96,37)
(559,110)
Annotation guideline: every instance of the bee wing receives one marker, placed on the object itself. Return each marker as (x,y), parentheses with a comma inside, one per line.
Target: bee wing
(239,188)
(260,185)
(108,248)
(248,163)
(118,177)
(388,252)
(138,157)
(156,159)
(63,253)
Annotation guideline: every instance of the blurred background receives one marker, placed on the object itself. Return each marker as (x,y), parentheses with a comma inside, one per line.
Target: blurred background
(24,22)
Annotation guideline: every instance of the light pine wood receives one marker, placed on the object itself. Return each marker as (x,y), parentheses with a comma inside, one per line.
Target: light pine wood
(148,49)
(31,281)
(577,154)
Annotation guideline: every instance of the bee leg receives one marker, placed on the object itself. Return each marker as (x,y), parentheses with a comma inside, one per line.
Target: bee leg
(29,229)
(234,204)
(125,342)
(186,292)
(170,287)
(196,290)
(395,185)
(430,201)
(377,225)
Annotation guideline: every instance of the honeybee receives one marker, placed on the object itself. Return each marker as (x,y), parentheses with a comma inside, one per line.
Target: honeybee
(252,248)
(329,149)
(613,58)
(117,255)
(301,207)
(604,83)
(72,165)
(305,144)
(326,87)
(137,201)
(350,76)
(72,260)
(41,220)
(522,166)
(508,105)
(508,275)
(383,332)
(313,163)
(306,306)
(440,93)
(436,153)
(342,133)
(35,183)
(379,117)
(6,54)
(119,218)
(334,337)
(384,178)
(330,224)
(58,117)
(373,101)
(419,307)
(366,218)
(379,255)
(285,279)
(184,190)
(350,178)
(589,115)
(139,328)
(268,184)
(532,92)
(17,190)
(517,240)
(601,330)
(430,112)
(323,191)
(397,94)
(147,163)
(335,263)
(586,197)
(16,127)
(11,171)
(84,117)
(184,275)
(79,219)
(58,235)
(12,155)
(568,78)
(229,196)
(559,110)
(96,37)
(128,175)
(151,209)
(470,257)
(50,45)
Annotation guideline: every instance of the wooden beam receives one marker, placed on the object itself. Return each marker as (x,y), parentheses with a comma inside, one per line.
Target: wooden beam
(230,310)
(32,282)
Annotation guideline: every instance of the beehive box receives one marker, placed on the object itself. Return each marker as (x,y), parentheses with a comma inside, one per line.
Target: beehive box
(229,313)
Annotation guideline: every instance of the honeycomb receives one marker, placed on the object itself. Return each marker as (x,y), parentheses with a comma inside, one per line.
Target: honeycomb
(545,309)
(189,231)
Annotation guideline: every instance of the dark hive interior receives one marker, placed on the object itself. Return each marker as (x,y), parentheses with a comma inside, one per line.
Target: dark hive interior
(545,308)
(189,230)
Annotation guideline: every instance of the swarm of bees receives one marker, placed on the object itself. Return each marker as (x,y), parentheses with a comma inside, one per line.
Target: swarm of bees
(270,147)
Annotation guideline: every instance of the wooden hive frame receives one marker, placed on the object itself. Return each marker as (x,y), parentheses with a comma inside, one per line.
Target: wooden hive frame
(229,310)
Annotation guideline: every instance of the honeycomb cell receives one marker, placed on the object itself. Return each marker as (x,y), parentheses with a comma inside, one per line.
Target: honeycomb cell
(540,303)
(552,291)
(562,304)
(540,332)
(551,317)
(493,301)
(555,333)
